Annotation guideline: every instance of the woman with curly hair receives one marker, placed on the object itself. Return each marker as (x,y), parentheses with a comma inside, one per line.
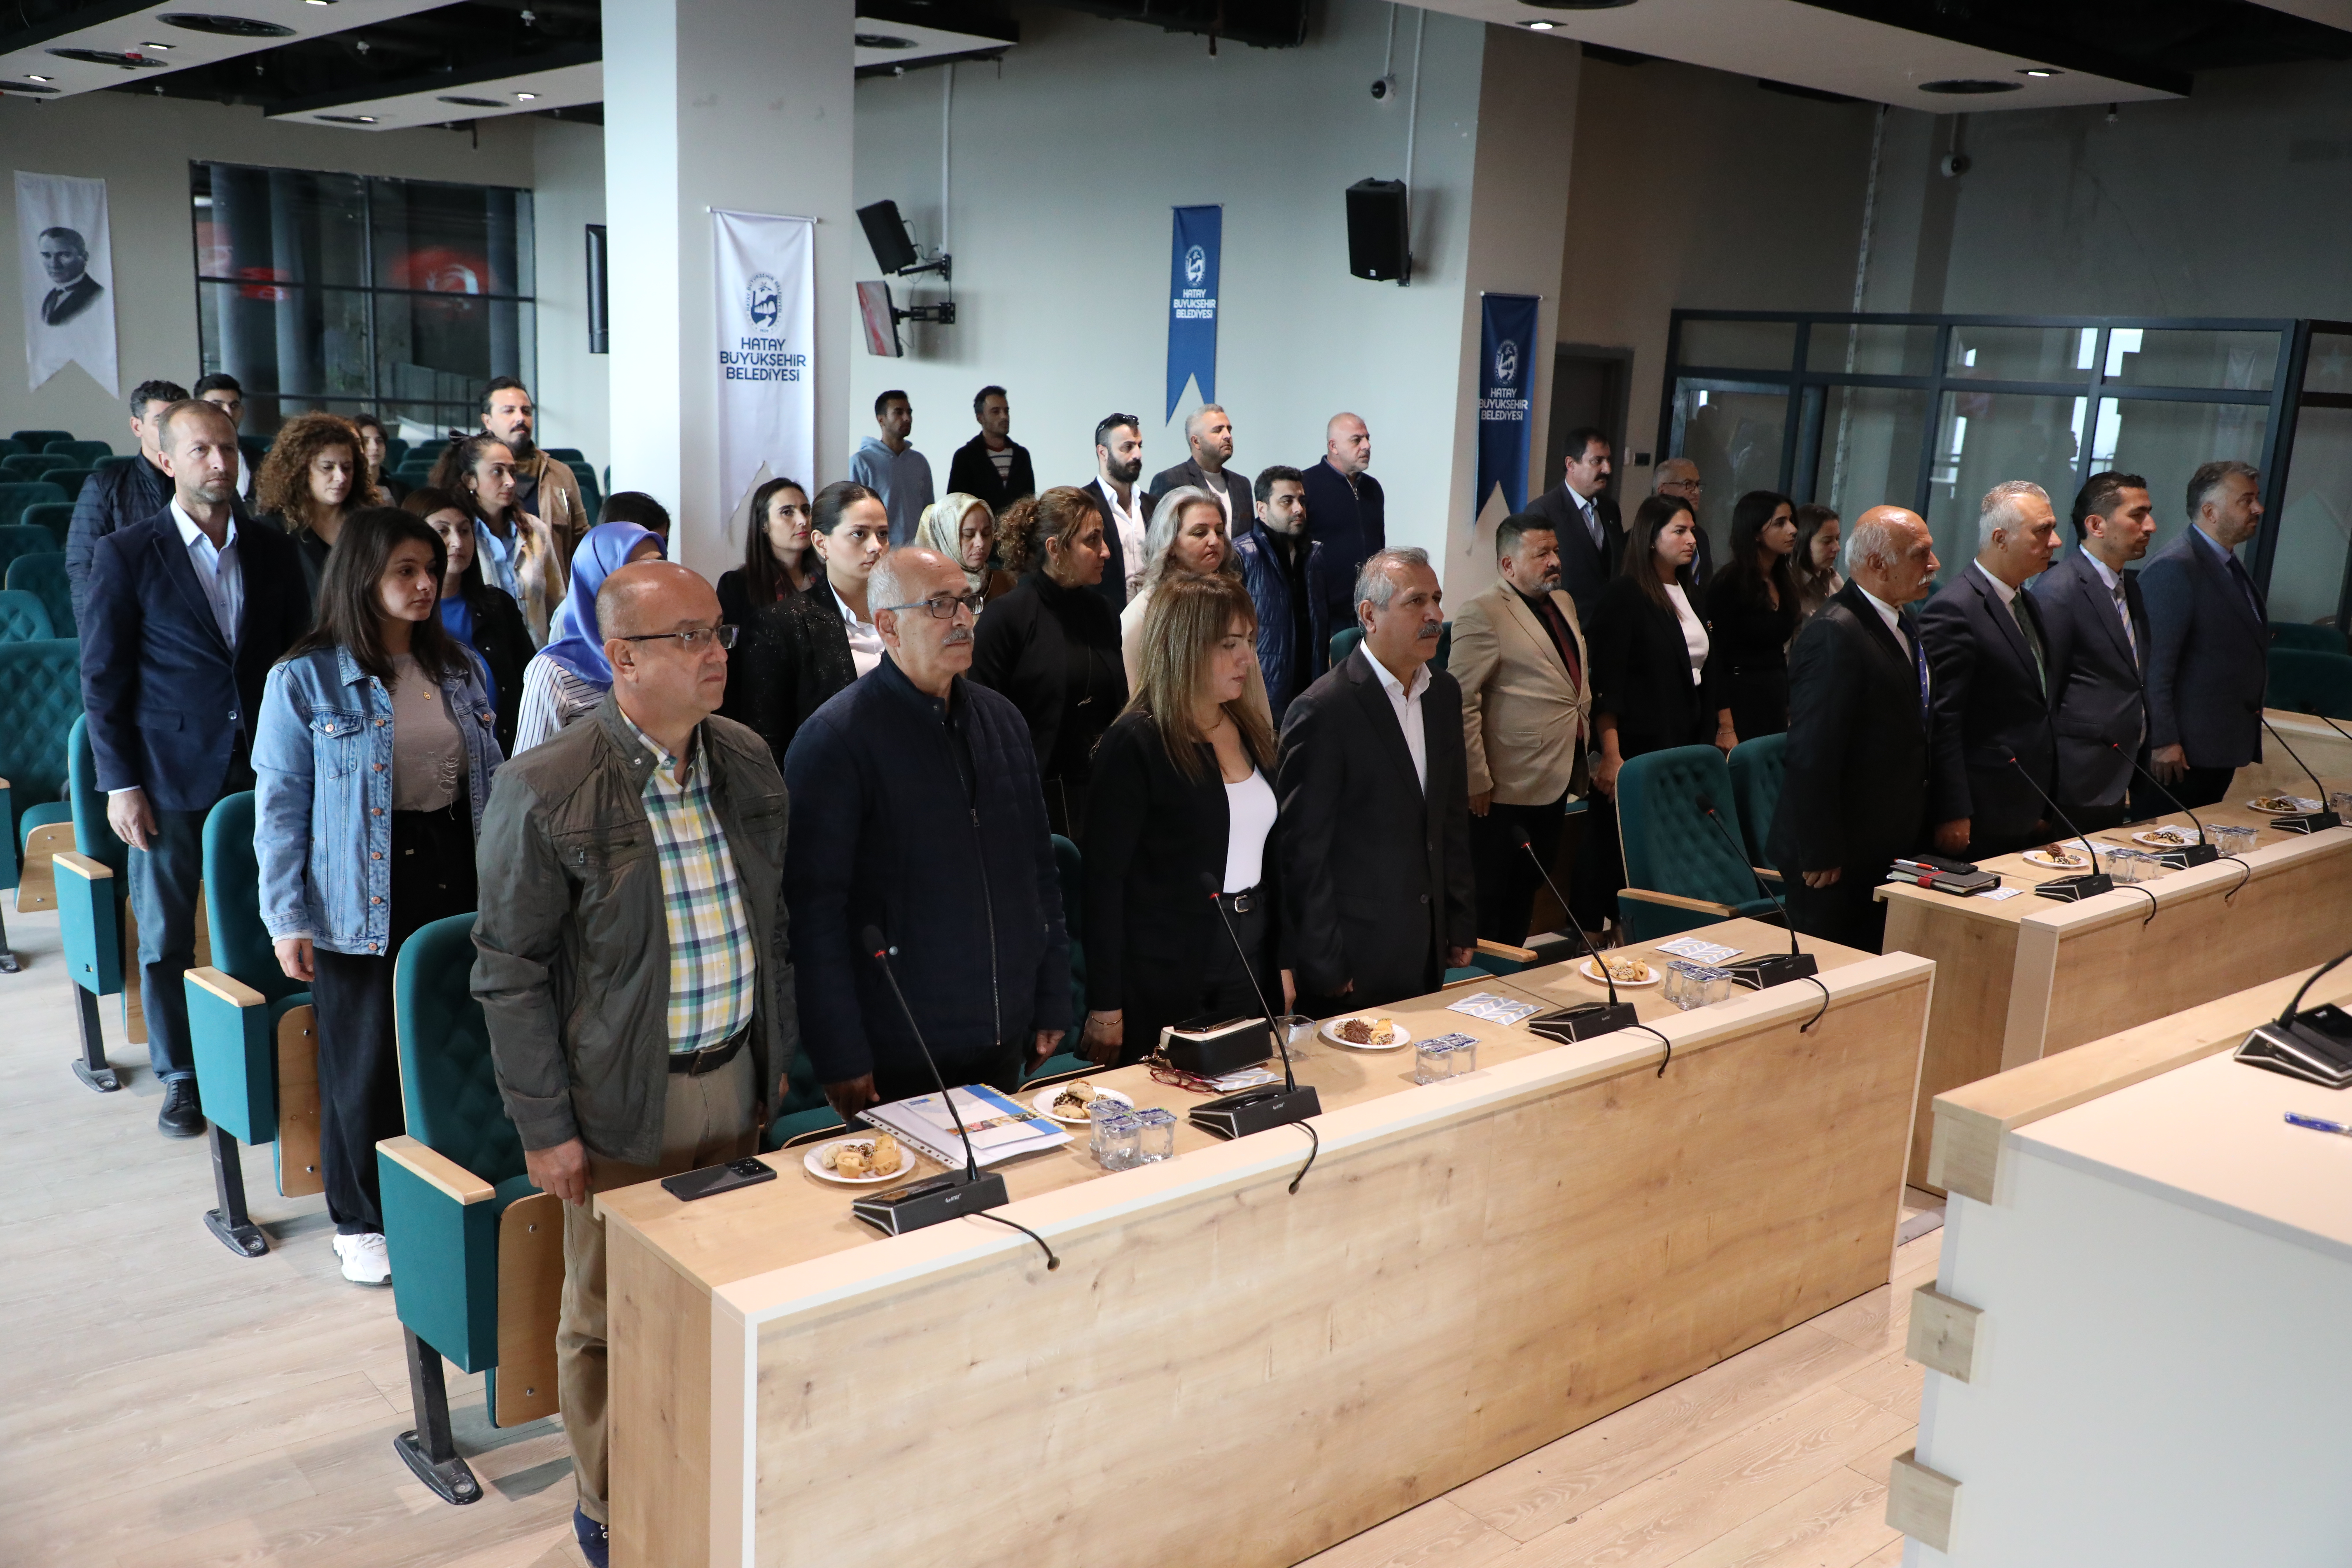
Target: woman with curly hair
(517,550)
(310,482)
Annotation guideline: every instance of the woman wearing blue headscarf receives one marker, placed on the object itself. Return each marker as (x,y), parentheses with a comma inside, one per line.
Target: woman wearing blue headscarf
(570,675)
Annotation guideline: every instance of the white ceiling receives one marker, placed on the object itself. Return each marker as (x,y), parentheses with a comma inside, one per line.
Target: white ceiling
(135,32)
(565,87)
(1784,41)
(927,43)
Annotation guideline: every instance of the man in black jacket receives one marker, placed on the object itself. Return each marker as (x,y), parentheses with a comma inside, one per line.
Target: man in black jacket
(1995,750)
(1345,508)
(116,496)
(991,466)
(918,810)
(2210,633)
(1209,433)
(1855,794)
(1125,506)
(2097,626)
(1373,790)
(1592,532)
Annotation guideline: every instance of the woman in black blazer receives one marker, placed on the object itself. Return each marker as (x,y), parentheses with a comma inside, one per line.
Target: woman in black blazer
(1052,643)
(1182,794)
(1753,607)
(1652,688)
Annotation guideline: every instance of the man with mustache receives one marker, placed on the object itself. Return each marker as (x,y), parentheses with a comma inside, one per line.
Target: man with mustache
(919,811)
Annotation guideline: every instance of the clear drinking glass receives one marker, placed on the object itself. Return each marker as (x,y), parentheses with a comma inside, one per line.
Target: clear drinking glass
(2228,839)
(1462,1059)
(1298,1032)
(2125,866)
(1155,1134)
(1677,975)
(2340,803)
(1433,1061)
(1119,1142)
(1718,986)
(1098,1112)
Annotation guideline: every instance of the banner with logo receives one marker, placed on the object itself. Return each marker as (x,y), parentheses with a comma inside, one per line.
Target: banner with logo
(765,300)
(66,260)
(1507,344)
(1192,303)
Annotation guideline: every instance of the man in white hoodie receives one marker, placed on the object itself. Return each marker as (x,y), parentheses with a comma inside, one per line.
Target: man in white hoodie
(893,469)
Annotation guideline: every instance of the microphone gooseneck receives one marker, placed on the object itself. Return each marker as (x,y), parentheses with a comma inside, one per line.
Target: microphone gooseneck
(2301,991)
(2312,822)
(2177,806)
(2092,882)
(1215,891)
(1707,807)
(1574,924)
(880,947)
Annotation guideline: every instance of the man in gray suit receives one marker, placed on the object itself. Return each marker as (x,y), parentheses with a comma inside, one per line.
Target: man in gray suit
(2209,635)
(1209,432)
(2097,628)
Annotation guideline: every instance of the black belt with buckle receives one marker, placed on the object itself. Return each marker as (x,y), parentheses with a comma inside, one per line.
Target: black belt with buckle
(1240,903)
(709,1058)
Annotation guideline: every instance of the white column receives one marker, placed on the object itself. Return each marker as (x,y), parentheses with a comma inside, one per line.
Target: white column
(718,103)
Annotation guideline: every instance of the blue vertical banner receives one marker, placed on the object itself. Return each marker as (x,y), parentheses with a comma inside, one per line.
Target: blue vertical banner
(1192,303)
(1507,341)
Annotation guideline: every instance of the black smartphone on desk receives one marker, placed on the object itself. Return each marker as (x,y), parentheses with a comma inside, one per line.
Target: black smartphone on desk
(712,1180)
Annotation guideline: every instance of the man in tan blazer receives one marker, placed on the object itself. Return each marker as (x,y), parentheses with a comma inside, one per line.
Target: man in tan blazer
(1527,699)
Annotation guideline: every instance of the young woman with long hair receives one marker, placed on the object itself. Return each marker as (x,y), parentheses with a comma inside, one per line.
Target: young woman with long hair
(797,650)
(777,559)
(311,480)
(1818,529)
(520,552)
(477,612)
(1752,611)
(375,446)
(1653,684)
(373,754)
(1187,534)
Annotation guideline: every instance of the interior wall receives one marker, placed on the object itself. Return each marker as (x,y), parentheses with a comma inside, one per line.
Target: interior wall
(142,148)
(572,388)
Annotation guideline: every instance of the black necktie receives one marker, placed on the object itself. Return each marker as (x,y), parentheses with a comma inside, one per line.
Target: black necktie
(2253,599)
(1919,659)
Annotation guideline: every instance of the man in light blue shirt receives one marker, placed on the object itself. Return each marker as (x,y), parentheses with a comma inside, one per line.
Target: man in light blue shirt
(893,469)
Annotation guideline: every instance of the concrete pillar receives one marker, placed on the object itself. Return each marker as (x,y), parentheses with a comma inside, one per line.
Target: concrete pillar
(735,104)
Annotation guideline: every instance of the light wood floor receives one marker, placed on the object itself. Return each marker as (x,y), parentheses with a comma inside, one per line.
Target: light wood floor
(165,1403)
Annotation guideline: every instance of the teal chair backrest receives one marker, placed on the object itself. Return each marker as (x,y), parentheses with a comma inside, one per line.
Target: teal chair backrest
(19,540)
(395,452)
(447,1084)
(23,618)
(1343,643)
(34,465)
(1757,769)
(241,943)
(2304,681)
(10,446)
(34,440)
(92,836)
(572,456)
(55,516)
(40,704)
(43,577)
(84,454)
(16,494)
(69,480)
(1670,845)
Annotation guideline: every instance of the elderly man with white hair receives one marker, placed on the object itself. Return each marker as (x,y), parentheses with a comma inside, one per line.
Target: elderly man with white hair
(1996,753)
(1860,717)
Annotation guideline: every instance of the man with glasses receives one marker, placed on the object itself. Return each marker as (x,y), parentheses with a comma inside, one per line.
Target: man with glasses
(1679,477)
(921,814)
(655,828)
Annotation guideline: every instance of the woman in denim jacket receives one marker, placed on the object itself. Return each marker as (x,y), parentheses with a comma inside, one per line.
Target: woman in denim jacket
(373,755)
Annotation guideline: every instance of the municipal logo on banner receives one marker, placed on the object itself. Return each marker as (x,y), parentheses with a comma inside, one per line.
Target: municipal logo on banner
(1192,303)
(1506,326)
(764,302)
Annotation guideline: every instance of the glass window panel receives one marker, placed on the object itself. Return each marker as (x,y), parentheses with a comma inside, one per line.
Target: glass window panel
(1984,438)
(2329,368)
(1866,349)
(2245,362)
(1870,449)
(2165,442)
(2021,354)
(287,346)
(2307,568)
(1741,345)
(1734,435)
(281,225)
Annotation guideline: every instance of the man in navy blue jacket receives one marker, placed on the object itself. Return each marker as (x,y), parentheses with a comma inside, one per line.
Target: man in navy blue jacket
(916,809)
(1345,512)
(2212,636)
(1290,579)
(187,611)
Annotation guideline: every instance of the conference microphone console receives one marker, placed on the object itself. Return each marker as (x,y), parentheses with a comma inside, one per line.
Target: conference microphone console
(945,1196)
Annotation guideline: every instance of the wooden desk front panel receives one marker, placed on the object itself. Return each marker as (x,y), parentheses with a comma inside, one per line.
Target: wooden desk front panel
(1231,1375)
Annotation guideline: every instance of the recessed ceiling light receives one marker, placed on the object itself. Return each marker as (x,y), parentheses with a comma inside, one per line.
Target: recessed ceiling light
(526,97)
(1541,26)
(1577,4)
(884,41)
(1963,86)
(2039,71)
(225,26)
(151,44)
(473,102)
(349,119)
(29,87)
(127,60)
(32,78)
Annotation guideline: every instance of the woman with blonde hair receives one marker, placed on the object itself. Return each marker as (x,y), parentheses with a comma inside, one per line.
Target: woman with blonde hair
(518,553)
(1183,792)
(1188,535)
(962,527)
(311,480)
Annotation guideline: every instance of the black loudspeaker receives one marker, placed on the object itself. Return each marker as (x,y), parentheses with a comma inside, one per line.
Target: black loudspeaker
(600,301)
(1379,239)
(885,231)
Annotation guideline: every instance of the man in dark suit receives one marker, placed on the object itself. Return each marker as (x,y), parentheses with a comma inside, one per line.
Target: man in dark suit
(2097,626)
(1855,794)
(1990,657)
(1372,783)
(1679,477)
(188,610)
(993,466)
(115,497)
(2210,636)
(1127,510)
(1345,508)
(1209,432)
(64,257)
(1591,533)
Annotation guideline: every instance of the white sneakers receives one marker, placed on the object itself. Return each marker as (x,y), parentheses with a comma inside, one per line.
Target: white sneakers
(365,1262)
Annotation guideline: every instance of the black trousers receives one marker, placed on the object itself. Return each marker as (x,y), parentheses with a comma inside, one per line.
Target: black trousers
(2197,786)
(999,1070)
(1760,702)
(1847,912)
(1508,880)
(1226,989)
(1599,870)
(358,1060)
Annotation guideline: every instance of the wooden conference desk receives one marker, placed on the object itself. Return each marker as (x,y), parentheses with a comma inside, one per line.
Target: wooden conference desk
(2137,1327)
(2020,978)
(1222,1373)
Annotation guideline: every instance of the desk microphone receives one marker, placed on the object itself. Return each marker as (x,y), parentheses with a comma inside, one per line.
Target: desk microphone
(1254,1109)
(2198,854)
(1776,967)
(2308,821)
(952,1193)
(1585,1019)
(2316,1047)
(2068,889)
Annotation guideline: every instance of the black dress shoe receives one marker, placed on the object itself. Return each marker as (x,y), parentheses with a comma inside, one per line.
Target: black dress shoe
(180,1116)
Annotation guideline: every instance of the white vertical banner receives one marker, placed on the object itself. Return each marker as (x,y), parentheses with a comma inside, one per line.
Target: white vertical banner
(66,260)
(765,301)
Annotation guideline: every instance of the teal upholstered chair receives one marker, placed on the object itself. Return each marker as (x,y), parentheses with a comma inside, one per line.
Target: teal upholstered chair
(10,446)
(477,1250)
(57,516)
(1757,769)
(1681,873)
(34,441)
(40,699)
(17,540)
(104,464)
(84,454)
(395,452)
(253,1034)
(69,480)
(571,456)
(93,896)
(16,494)
(26,466)
(2303,680)
(43,575)
(1344,641)
(23,617)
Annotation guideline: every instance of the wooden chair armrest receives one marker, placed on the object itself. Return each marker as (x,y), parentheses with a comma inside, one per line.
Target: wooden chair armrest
(438,1172)
(227,987)
(1488,944)
(1768,871)
(1676,901)
(83,866)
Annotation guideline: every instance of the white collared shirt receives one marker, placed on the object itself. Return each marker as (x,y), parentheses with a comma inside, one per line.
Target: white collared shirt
(1134,536)
(1891,615)
(2001,589)
(864,641)
(1592,513)
(221,571)
(1406,703)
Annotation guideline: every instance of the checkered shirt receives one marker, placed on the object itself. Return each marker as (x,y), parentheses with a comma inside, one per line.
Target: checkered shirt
(711,963)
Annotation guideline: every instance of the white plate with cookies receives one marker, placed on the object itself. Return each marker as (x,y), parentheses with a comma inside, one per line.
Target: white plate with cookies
(1624,972)
(1066,1103)
(851,1161)
(1361,1032)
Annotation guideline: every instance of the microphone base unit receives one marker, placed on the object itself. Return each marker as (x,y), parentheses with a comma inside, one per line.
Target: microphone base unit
(1584,1021)
(2315,1045)
(2182,857)
(2307,821)
(1774,969)
(948,1195)
(1257,1111)
(2074,890)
